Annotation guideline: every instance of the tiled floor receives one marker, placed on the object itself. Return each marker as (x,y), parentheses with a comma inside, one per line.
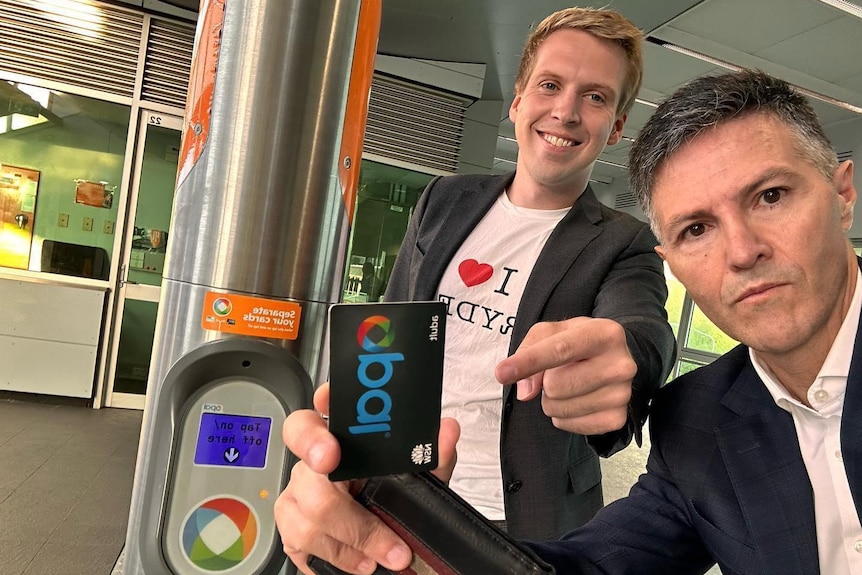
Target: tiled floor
(66,476)
(65,484)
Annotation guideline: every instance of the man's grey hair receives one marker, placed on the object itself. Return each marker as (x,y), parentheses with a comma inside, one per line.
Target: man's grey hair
(709,101)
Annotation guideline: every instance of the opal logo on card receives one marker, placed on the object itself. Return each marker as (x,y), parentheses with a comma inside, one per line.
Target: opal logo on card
(384,331)
(375,335)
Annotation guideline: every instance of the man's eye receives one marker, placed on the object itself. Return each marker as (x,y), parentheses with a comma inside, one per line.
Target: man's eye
(549,86)
(694,230)
(771,196)
(596,98)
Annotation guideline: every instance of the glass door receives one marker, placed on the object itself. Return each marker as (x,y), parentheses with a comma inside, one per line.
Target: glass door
(146,239)
(384,204)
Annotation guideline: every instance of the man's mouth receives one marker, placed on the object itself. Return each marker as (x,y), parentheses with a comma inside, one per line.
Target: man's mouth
(558,142)
(754,291)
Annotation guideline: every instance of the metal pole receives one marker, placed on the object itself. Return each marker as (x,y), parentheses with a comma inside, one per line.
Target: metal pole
(265,190)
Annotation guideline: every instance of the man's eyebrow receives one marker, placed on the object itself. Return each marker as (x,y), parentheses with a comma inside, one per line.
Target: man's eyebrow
(599,86)
(542,74)
(678,220)
(766,176)
(753,186)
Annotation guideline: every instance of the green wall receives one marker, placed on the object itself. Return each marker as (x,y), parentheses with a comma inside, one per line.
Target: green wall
(77,147)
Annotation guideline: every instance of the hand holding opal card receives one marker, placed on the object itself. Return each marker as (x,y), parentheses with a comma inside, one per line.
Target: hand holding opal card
(386,378)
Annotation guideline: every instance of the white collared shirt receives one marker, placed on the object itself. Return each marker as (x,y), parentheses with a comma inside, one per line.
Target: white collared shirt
(839,534)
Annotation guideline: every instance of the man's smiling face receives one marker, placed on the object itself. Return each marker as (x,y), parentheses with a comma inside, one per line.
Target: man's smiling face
(567,111)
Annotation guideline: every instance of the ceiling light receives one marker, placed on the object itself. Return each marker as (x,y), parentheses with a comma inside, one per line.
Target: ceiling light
(614,164)
(844,6)
(694,54)
(805,91)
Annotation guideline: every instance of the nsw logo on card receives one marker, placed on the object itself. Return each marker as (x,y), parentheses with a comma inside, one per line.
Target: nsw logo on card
(386,371)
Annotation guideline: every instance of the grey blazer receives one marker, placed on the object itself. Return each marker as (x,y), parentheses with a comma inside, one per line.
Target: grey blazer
(597,262)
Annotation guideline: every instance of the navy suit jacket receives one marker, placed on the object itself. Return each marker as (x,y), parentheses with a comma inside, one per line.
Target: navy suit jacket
(597,262)
(725,484)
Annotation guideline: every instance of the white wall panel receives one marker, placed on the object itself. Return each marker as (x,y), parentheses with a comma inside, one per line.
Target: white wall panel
(49,337)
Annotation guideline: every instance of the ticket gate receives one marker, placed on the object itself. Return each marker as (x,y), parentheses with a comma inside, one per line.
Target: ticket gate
(269,165)
(221,412)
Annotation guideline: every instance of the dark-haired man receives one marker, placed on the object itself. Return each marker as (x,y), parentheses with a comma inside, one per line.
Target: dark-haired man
(756,460)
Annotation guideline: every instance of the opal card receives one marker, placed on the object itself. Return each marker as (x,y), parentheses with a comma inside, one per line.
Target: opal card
(386,377)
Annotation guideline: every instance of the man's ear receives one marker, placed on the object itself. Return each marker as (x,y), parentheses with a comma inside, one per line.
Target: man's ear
(843,182)
(617,131)
(513,109)
(660,251)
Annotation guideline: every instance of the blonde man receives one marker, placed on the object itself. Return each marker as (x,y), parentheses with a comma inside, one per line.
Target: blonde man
(511,254)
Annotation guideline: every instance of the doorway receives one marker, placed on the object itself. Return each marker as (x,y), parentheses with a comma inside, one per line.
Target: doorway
(143,258)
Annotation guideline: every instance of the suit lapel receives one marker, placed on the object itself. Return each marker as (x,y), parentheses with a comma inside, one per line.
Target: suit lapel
(577,229)
(467,209)
(762,458)
(851,423)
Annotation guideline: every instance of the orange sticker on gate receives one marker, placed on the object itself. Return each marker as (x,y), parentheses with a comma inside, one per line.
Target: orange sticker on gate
(255,316)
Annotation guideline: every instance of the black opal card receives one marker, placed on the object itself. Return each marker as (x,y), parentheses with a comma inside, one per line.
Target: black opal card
(386,375)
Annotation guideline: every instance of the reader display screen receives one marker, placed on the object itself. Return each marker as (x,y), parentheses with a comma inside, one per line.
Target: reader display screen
(232,440)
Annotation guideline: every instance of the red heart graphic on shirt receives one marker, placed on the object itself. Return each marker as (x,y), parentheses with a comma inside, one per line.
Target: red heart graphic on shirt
(473,273)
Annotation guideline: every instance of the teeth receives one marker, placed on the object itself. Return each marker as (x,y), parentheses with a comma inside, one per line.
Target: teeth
(559,142)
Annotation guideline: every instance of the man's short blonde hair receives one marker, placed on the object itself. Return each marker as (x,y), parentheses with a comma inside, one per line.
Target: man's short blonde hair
(602,23)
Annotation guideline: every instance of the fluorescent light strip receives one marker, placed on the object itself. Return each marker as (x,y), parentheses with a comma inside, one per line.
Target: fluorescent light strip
(844,6)
(614,164)
(697,55)
(646,102)
(811,94)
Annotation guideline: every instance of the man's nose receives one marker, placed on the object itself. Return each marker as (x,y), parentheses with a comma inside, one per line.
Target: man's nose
(567,108)
(745,245)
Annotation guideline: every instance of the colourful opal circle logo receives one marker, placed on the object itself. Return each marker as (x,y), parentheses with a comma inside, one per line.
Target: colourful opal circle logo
(222,306)
(219,534)
(377,327)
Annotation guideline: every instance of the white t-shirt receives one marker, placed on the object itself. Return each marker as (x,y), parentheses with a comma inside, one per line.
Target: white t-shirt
(482,287)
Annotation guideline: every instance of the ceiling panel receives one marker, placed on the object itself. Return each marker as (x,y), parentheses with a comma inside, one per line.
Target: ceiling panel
(852,83)
(637,117)
(752,25)
(830,114)
(828,52)
(664,70)
(618,153)
(507,149)
(803,41)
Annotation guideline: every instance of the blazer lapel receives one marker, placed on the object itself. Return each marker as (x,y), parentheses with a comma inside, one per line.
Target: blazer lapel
(577,229)
(765,465)
(467,209)
(851,423)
